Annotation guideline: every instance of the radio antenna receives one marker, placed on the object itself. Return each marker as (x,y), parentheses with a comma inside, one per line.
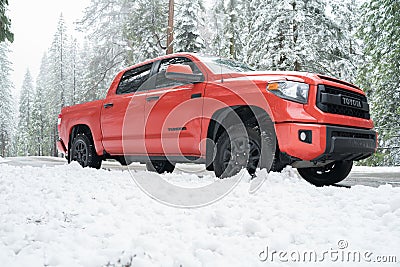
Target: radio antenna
(219,45)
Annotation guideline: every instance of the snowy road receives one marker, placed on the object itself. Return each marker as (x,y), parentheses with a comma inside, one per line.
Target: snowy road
(359,176)
(52,214)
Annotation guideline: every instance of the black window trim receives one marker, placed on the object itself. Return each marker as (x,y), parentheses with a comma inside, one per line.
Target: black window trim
(153,71)
(156,68)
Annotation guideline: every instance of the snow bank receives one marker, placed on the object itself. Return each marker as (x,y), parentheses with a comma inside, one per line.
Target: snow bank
(3,160)
(69,216)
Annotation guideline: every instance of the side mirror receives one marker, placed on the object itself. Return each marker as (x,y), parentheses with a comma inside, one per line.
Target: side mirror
(182,73)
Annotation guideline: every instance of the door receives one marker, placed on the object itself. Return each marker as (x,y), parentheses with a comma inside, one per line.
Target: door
(122,117)
(173,113)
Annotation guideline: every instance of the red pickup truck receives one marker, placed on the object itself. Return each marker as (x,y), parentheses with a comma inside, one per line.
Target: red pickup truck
(221,113)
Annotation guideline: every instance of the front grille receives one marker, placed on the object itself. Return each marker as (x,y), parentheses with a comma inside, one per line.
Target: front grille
(330,100)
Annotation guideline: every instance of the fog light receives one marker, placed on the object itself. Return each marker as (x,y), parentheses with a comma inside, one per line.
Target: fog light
(305,136)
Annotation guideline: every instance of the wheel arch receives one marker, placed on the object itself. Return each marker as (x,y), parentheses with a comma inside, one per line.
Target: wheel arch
(252,116)
(77,129)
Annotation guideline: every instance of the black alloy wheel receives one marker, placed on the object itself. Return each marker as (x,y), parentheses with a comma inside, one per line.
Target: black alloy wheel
(80,152)
(84,152)
(237,150)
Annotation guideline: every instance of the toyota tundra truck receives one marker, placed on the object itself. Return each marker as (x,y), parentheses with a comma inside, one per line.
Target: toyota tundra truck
(209,110)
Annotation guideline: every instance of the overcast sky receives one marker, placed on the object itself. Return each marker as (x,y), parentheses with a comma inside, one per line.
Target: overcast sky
(34,23)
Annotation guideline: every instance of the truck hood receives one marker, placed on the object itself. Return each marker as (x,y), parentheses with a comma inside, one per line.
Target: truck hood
(268,76)
(296,76)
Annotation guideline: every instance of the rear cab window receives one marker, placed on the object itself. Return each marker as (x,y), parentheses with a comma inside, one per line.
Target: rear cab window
(134,80)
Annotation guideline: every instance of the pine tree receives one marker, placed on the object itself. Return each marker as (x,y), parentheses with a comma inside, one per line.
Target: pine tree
(119,33)
(6,103)
(106,49)
(58,67)
(73,73)
(346,55)
(380,31)
(41,125)
(59,91)
(24,139)
(5,23)
(258,15)
(98,66)
(230,33)
(144,30)
(189,18)
(294,35)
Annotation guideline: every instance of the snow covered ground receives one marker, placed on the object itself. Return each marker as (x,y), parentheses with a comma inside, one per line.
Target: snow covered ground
(3,160)
(358,169)
(69,216)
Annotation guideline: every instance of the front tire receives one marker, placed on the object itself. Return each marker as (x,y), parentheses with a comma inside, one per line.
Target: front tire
(84,152)
(160,166)
(237,149)
(328,175)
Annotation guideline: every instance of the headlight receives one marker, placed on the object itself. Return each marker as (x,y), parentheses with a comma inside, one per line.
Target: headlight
(293,91)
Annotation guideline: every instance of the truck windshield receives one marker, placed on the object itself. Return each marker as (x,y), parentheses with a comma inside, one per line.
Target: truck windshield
(223,65)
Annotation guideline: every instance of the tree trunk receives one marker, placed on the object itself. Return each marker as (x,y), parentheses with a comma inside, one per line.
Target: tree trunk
(170,29)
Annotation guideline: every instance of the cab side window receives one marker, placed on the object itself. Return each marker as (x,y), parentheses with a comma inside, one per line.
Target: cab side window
(163,82)
(133,80)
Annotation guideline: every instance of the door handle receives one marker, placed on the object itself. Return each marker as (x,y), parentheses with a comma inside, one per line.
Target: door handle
(152,98)
(108,105)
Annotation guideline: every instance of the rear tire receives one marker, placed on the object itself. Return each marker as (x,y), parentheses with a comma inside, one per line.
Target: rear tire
(328,175)
(124,161)
(84,152)
(160,166)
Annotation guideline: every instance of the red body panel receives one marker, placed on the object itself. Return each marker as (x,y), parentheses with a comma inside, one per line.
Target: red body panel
(164,117)
(296,148)
(174,121)
(84,114)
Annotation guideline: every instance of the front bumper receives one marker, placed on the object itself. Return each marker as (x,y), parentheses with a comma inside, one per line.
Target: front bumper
(348,144)
(325,142)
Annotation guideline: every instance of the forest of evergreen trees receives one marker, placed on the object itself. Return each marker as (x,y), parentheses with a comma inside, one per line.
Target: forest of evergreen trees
(356,42)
